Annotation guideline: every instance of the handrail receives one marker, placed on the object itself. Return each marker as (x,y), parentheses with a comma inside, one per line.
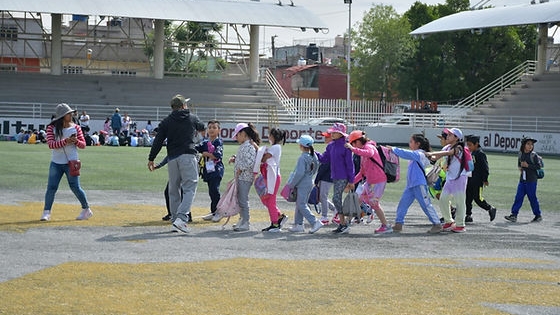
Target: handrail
(282,97)
(496,87)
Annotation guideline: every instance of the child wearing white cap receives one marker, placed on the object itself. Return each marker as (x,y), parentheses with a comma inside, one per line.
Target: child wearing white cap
(454,189)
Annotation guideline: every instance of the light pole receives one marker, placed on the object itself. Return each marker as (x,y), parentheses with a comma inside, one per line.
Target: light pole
(348,50)
(273,47)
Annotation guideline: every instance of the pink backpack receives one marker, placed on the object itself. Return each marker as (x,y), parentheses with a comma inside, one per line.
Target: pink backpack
(390,163)
(228,206)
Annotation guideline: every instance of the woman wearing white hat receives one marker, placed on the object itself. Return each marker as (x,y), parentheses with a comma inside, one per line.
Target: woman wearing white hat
(64,138)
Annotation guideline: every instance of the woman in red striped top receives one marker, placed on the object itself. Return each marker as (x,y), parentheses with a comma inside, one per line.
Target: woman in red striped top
(64,137)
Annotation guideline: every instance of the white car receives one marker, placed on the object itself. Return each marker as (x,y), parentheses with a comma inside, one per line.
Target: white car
(325,121)
(391,121)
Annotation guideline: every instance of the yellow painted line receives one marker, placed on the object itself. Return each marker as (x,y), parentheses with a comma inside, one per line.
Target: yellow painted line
(23,216)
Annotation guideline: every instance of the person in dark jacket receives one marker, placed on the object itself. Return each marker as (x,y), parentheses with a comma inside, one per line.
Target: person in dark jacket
(528,163)
(180,129)
(478,180)
(116,122)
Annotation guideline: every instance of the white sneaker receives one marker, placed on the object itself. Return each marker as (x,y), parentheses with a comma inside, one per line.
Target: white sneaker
(46,216)
(85,214)
(216,217)
(282,220)
(318,224)
(208,217)
(239,221)
(296,228)
(181,225)
(369,218)
(241,226)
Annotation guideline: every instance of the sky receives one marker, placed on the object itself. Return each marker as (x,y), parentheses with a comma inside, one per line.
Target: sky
(335,14)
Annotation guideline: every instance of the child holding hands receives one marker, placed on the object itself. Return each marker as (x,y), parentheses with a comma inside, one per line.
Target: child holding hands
(416,186)
(270,170)
(342,171)
(374,176)
(302,179)
(455,183)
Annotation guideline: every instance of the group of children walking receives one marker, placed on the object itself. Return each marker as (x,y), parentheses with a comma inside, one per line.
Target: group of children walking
(335,167)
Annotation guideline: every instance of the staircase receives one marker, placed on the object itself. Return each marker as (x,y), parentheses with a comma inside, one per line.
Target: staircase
(535,95)
(227,100)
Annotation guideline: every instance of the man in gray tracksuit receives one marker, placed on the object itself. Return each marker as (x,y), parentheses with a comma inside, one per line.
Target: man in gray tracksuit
(180,129)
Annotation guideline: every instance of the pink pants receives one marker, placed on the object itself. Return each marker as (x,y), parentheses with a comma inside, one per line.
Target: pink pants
(269,201)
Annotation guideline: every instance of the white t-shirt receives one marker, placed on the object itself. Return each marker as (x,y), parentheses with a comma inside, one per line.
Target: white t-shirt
(70,152)
(84,120)
(276,152)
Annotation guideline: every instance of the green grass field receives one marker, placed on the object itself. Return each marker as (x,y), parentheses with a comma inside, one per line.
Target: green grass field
(25,167)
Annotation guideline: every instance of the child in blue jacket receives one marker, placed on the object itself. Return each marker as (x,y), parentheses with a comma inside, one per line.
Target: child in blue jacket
(416,186)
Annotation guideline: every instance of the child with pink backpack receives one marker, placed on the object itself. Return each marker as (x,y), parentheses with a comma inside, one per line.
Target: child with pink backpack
(372,174)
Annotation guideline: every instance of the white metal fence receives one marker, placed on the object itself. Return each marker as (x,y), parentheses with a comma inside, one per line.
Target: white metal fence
(359,113)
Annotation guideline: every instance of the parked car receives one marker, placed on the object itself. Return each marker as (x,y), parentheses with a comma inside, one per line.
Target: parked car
(391,121)
(325,121)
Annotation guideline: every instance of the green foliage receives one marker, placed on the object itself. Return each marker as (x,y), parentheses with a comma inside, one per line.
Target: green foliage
(382,44)
(188,47)
(450,66)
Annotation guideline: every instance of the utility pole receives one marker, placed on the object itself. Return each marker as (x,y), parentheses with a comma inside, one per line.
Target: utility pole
(348,50)
(273,48)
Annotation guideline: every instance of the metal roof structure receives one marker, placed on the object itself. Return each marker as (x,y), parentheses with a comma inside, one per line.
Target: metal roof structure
(279,13)
(540,13)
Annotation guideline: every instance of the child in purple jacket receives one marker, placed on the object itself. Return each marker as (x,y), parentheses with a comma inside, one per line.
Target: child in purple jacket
(342,170)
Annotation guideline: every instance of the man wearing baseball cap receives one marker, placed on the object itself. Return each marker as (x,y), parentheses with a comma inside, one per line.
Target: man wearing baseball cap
(180,129)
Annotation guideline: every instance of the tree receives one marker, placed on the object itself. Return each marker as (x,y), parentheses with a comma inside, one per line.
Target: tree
(187,46)
(449,66)
(380,46)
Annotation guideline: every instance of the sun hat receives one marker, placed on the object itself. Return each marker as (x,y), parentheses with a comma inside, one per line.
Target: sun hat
(238,128)
(338,127)
(178,101)
(355,135)
(61,110)
(305,141)
(455,131)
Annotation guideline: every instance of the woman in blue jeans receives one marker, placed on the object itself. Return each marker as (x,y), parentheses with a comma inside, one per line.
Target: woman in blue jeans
(64,138)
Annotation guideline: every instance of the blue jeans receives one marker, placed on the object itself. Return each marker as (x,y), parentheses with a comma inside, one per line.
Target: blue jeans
(214,192)
(302,208)
(419,193)
(55,175)
(529,189)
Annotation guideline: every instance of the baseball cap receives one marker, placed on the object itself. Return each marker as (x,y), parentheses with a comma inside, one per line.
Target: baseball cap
(238,128)
(305,141)
(455,131)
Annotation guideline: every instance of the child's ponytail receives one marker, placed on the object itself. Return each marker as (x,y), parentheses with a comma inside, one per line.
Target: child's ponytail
(252,133)
(424,143)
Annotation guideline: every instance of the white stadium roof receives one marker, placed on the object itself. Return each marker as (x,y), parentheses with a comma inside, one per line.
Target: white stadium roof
(250,12)
(548,12)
